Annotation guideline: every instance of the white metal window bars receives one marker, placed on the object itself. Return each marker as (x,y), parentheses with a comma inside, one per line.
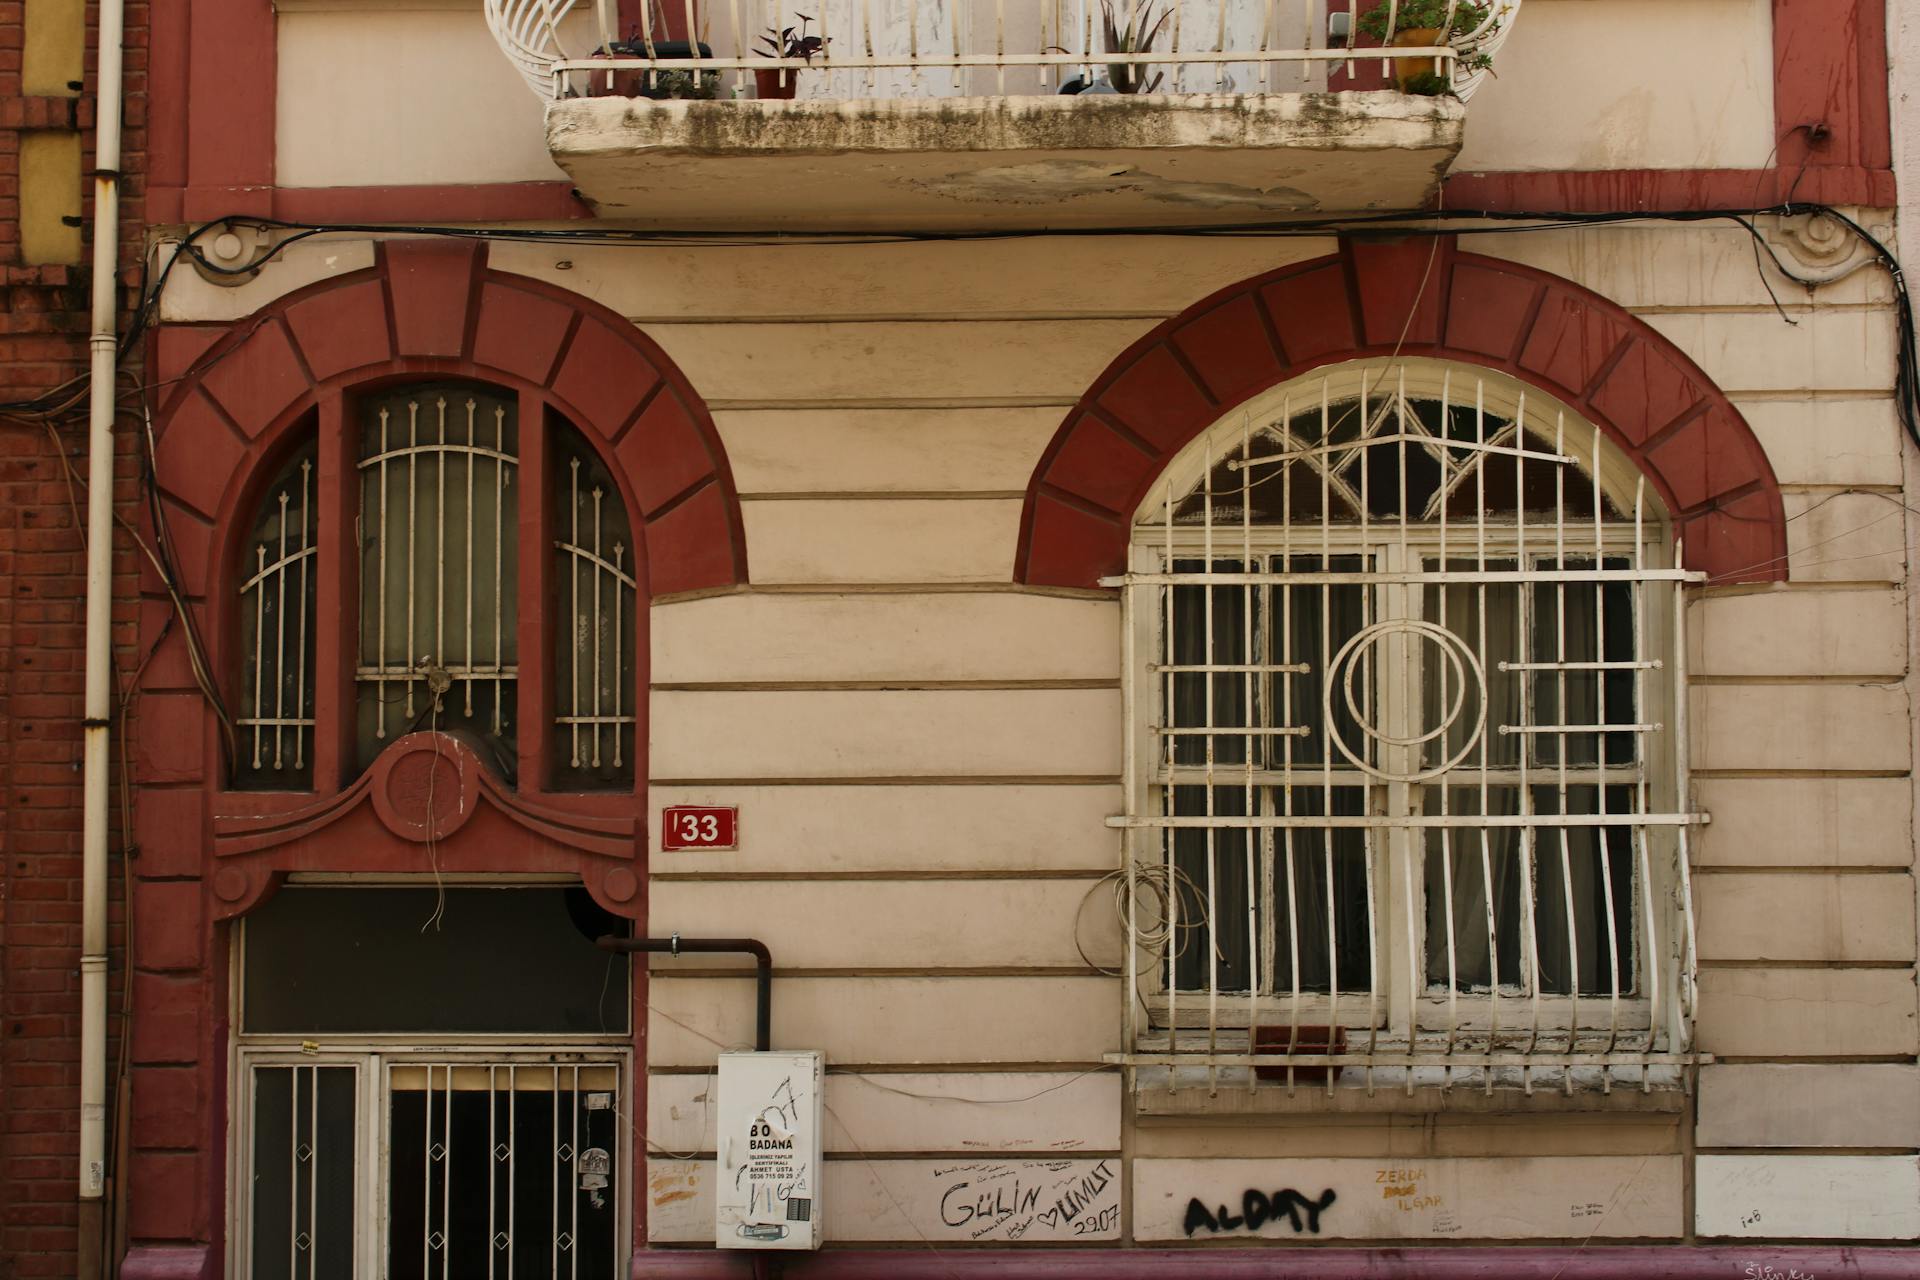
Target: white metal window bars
(596,564)
(1393,605)
(438,511)
(418,1162)
(276,603)
(980,46)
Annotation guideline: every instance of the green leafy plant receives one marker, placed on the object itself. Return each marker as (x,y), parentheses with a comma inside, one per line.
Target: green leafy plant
(685,84)
(1428,84)
(791,42)
(1431,15)
(1133,34)
(1424,15)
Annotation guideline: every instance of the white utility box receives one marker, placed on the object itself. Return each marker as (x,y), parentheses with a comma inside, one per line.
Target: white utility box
(767,1192)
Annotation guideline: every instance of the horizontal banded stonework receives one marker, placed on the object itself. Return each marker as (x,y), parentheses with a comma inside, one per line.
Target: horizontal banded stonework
(1415,297)
(429,308)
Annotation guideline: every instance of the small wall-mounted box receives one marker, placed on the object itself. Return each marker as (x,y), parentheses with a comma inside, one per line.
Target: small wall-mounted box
(767,1193)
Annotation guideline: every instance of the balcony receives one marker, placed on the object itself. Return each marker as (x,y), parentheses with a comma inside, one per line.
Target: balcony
(1010,114)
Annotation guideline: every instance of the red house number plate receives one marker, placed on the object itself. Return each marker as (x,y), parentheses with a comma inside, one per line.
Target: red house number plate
(691,827)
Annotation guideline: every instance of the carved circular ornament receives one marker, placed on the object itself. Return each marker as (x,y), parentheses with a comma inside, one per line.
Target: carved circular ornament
(426,786)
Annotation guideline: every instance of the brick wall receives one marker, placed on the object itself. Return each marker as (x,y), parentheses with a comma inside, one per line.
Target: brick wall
(43,343)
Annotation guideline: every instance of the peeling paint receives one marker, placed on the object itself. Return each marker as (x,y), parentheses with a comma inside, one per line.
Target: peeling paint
(1051,181)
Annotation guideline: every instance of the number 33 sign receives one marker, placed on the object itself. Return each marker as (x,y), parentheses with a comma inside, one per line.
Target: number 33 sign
(690,827)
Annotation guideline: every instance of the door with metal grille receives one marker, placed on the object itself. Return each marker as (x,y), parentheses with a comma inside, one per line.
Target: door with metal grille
(430,1082)
(414,1167)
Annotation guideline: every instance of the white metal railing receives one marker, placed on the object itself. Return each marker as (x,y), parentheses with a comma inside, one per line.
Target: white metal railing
(275,710)
(932,48)
(1406,791)
(437,524)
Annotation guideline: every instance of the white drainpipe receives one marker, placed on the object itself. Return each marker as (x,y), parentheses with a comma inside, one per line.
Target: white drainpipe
(104,344)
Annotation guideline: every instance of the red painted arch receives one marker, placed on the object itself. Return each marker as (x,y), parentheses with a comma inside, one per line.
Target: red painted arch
(434,307)
(1369,300)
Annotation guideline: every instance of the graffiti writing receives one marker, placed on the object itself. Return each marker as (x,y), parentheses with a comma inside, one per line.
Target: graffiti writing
(962,1202)
(1258,1208)
(1108,1219)
(1401,1188)
(1048,1198)
(1078,1196)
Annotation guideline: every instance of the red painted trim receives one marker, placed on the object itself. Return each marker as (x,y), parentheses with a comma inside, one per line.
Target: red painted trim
(1631,190)
(337,642)
(483,202)
(1612,368)
(1830,69)
(169,1262)
(1477,1262)
(536,680)
(169,39)
(233,65)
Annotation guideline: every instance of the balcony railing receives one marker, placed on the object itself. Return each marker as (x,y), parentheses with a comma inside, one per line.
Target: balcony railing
(890,49)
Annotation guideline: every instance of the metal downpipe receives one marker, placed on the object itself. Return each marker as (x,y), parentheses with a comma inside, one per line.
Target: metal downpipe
(677,945)
(103,344)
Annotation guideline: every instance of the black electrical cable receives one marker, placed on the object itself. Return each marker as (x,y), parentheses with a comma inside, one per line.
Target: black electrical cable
(1389,224)
(1395,224)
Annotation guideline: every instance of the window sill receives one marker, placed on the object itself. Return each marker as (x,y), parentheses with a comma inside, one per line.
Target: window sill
(1664,1096)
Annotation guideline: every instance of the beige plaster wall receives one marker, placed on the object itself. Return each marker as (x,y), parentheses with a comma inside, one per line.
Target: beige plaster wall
(418,93)
(400,96)
(923,754)
(1700,94)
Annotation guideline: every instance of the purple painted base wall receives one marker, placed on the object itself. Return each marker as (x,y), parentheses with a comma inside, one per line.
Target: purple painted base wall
(1520,1262)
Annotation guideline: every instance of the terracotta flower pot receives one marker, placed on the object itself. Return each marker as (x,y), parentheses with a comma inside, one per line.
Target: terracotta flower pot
(1301,1041)
(767,84)
(1405,70)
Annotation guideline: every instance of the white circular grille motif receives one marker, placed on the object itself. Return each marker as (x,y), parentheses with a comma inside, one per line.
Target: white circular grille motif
(1460,660)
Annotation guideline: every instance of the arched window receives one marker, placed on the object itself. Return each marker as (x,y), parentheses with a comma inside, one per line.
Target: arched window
(1408,770)
(595,593)
(277,581)
(486,568)
(439,583)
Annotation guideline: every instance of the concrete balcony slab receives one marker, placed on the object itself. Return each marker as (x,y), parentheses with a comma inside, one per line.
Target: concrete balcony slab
(1003,163)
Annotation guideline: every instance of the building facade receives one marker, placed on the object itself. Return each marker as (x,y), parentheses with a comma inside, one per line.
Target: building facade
(1296,678)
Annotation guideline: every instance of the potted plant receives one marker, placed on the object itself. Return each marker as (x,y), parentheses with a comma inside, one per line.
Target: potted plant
(1135,35)
(790,42)
(1425,24)
(660,83)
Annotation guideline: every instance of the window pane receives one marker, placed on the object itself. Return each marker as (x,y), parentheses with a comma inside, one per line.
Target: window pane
(323,959)
(595,591)
(1315,917)
(1584,622)
(1593,938)
(1309,624)
(1487,620)
(1211,932)
(1319,895)
(1593,928)
(1210,628)
(1473,880)
(487,1173)
(279,575)
(439,511)
(304,1133)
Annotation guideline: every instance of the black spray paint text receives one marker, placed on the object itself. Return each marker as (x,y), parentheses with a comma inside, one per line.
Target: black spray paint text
(1257,1209)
